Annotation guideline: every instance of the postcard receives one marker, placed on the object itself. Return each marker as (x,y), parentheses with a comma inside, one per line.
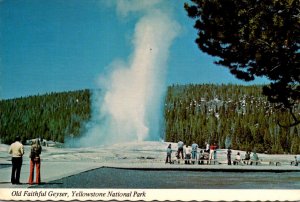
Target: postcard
(139,100)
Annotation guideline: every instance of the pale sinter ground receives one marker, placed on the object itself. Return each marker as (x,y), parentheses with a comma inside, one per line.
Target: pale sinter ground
(62,162)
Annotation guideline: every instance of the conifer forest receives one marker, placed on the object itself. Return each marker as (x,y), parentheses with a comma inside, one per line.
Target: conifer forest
(233,116)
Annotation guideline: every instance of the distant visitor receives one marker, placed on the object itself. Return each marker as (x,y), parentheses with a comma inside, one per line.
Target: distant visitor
(180,149)
(169,153)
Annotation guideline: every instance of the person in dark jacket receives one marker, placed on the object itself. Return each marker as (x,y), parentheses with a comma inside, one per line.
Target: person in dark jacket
(180,145)
(229,156)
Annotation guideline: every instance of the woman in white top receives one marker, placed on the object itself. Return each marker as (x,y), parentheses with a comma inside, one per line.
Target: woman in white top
(237,159)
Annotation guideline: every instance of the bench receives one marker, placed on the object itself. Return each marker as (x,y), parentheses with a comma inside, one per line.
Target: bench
(195,161)
(259,162)
(216,162)
(185,161)
(255,162)
(276,163)
(237,162)
(250,162)
(294,163)
(208,162)
(246,161)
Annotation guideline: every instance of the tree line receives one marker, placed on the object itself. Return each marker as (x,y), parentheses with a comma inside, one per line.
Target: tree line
(231,115)
(51,116)
(253,39)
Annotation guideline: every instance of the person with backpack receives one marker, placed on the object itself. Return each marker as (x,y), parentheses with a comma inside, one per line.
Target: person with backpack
(35,161)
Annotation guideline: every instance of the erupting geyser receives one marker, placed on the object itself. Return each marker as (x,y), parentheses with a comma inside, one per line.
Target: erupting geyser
(130,104)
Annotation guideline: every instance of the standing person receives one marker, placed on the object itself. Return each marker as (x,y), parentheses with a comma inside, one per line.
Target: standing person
(180,149)
(206,147)
(194,151)
(215,153)
(35,161)
(212,154)
(16,149)
(229,156)
(169,153)
(187,155)
(297,160)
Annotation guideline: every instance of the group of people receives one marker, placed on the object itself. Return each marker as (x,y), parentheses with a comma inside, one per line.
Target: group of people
(238,159)
(209,154)
(16,149)
(190,153)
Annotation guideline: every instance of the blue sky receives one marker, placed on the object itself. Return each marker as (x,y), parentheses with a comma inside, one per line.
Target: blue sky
(63,45)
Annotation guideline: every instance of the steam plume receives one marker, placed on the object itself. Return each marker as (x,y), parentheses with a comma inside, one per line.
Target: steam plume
(130,105)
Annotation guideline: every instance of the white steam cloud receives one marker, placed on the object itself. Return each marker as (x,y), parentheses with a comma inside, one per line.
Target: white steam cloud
(131,101)
(126,6)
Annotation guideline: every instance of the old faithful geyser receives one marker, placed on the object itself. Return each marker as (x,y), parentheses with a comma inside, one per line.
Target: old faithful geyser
(129,106)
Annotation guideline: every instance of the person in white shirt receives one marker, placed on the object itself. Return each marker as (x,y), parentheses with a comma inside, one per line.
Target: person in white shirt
(16,149)
(237,159)
(207,147)
(187,154)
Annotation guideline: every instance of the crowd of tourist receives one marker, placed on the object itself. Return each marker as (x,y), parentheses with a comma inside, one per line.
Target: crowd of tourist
(192,154)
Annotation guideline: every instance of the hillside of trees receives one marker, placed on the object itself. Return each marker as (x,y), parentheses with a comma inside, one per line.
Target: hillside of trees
(230,115)
(51,116)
